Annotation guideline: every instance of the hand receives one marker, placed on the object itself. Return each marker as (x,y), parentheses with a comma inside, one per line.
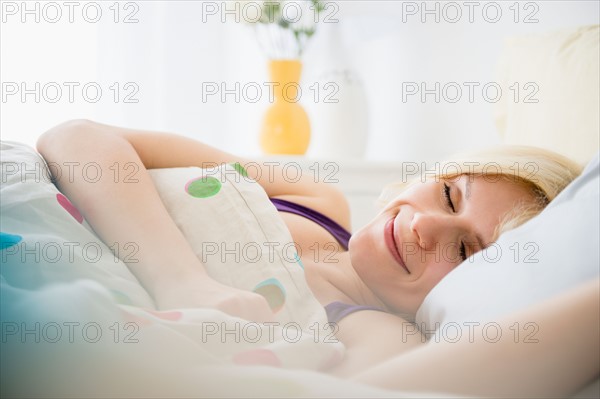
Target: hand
(204,292)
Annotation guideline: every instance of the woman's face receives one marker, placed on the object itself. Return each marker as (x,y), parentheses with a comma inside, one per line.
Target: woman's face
(434,225)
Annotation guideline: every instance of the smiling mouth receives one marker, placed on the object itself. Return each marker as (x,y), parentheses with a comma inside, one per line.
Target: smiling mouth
(390,242)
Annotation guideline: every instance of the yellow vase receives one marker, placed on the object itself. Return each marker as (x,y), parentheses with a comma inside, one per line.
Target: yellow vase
(285,129)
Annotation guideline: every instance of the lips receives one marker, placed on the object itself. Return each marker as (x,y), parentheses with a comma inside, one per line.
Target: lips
(390,242)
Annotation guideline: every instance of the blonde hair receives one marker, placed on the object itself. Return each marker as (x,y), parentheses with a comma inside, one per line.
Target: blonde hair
(544,172)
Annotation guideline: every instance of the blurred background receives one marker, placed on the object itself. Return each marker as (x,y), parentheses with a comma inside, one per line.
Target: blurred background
(413,80)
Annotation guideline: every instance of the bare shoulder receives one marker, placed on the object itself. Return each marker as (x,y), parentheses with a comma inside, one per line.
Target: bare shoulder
(325,199)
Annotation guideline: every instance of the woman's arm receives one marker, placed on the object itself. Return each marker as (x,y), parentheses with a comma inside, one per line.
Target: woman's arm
(562,358)
(163,150)
(123,211)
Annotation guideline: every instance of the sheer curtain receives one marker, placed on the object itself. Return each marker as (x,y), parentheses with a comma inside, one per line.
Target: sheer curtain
(155,59)
(43,68)
(175,54)
(151,60)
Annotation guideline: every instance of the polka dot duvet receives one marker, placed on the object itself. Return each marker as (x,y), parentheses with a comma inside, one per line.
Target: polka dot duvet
(64,290)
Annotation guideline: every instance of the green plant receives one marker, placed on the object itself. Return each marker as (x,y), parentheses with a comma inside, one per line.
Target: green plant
(285,27)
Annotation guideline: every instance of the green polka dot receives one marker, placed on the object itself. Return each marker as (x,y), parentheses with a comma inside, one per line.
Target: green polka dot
(203,187)
(8,240)
(240,169)
(121,298)
(273,292)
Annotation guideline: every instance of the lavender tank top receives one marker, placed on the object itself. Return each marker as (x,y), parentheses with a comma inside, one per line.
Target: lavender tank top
(336,311)
(341,234)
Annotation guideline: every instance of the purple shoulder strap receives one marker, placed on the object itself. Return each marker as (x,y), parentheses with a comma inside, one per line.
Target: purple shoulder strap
(341,234)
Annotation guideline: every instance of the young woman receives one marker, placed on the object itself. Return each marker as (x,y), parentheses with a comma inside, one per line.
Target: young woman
(383,272)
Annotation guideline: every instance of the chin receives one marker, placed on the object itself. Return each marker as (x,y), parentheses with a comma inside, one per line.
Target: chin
(358,248)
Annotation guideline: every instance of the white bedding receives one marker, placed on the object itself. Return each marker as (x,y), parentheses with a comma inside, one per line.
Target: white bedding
(163,358)
(80,325)
(63,284)
(240,238)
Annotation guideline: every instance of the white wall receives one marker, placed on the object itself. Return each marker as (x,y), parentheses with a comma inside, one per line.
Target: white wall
(170,52)
(389,51)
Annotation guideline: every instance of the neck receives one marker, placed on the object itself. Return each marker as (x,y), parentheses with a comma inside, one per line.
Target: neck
(339,281)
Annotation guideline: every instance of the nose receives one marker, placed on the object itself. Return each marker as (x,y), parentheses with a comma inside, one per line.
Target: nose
(431,229)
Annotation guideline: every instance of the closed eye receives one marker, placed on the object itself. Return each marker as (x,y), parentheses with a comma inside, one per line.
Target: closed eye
(448,199)
(463,251)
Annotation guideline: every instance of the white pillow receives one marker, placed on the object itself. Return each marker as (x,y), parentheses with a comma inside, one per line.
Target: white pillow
(551,253)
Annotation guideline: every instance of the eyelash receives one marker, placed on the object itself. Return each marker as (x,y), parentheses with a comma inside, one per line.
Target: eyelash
(448,199)
(463,252)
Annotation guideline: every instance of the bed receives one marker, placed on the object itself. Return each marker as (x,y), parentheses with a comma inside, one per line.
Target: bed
(75,321)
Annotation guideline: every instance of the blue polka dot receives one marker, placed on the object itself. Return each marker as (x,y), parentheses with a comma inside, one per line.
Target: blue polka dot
(273,292)
(299,261)
(8,240)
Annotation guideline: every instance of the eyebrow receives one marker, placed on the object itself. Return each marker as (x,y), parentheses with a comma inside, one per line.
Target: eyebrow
(468,187)
(468,183)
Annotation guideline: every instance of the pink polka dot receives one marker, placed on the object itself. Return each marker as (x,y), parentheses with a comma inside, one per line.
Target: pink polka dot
(170,316)
(65,203)
(132,318)
(257,357)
